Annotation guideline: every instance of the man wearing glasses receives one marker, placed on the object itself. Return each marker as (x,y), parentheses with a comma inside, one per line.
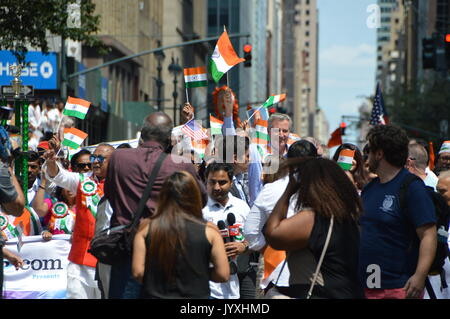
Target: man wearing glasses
(88,187)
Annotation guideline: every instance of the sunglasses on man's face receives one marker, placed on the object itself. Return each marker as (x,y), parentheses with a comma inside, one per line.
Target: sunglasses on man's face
(98,158)
(84,165)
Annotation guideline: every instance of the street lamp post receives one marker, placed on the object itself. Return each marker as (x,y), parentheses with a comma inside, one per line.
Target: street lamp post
(175,69)
(160,56)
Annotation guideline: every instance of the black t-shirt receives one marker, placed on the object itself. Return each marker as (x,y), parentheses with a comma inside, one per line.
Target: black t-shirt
(340,264)
(191,278)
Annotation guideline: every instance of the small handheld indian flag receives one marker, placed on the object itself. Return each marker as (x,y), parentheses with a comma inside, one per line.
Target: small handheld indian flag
(223,58)
(195,77)
(76,107)
(215,125)
(345,159)
(445,147)
(73,137)
(274,99)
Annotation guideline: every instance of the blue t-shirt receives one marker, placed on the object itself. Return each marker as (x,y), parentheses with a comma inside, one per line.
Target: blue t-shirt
(388,235)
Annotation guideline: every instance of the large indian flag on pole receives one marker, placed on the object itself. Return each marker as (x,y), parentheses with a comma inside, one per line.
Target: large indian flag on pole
(223,58)
(73,137)
(345,159)
(195,77)
(215,125)
(76,107)
(274,99)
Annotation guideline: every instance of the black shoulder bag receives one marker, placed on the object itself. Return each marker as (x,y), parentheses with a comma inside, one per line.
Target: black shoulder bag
(115,244)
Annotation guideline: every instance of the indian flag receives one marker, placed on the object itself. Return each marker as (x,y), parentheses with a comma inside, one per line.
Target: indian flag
(223,58)
(261,132)
(445,147)
(195,77)
(76,107)
(274,99)
(199,147)
(345,159)
(215,125)
(73,137)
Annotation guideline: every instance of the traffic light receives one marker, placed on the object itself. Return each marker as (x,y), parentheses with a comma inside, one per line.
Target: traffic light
(447,49)
(247,55)
(343,126)
(428,53)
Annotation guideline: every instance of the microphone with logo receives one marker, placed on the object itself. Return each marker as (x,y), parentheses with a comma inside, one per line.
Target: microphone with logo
(232,228)
(226,238)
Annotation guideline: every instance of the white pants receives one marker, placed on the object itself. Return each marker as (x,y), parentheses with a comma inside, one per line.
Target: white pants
(81,283)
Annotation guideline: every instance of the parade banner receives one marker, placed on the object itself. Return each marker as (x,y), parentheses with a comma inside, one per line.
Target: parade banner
(44,272)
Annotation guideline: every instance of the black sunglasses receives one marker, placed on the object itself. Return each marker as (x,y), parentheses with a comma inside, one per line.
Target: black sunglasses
(99,158)
(83,165)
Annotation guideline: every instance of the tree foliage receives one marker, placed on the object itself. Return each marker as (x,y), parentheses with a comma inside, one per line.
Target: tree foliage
(26,22)
(421,108)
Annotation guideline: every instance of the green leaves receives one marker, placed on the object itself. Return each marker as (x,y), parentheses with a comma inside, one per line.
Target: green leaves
(422,106)
(25,23)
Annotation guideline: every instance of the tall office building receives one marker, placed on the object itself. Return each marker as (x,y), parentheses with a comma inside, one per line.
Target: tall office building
(387,8)
(300,63)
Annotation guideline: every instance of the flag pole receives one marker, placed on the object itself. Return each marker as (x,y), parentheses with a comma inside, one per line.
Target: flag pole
(228,81)
(187,95)
(255,112)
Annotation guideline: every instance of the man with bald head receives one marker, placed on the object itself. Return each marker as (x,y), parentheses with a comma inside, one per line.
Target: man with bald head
(417,163)
(126,179)
(88,187)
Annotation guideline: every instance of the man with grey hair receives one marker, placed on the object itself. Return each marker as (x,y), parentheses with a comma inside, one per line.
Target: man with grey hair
(282,125)
(417,163)
(128,173)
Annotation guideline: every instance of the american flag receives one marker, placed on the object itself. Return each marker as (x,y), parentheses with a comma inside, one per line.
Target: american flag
(194,130)
(379,114)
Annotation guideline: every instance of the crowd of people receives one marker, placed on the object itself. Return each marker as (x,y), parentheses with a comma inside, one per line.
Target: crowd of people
(230,226)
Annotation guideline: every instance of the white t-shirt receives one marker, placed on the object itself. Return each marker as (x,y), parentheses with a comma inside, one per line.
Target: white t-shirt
(214,212)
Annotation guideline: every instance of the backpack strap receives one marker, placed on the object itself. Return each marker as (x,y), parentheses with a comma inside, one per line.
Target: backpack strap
(403,192)
(147,190)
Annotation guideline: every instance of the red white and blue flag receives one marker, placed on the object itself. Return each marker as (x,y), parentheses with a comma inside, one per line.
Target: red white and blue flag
(379,114)
(194,130)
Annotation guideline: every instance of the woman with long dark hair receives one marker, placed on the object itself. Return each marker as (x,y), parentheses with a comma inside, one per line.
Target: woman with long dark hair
(357,171)
(173,249)
(328,208)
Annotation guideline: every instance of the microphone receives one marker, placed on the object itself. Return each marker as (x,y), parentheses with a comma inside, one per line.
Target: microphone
(224,231)
(232,228)
(226,238)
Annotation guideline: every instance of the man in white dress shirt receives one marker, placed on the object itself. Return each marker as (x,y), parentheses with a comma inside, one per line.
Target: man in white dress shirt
(220,204)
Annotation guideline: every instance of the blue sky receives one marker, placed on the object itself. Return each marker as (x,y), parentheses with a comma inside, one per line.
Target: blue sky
(347,57)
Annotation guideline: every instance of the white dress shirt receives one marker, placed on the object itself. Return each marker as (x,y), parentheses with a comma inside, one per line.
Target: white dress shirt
(259,214)
(65,179)
(214,212)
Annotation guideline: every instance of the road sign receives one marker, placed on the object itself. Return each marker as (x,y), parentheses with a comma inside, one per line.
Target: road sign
(25,90)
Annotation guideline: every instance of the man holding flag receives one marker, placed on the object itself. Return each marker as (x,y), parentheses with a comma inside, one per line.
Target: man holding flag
(81,283)
(89,190)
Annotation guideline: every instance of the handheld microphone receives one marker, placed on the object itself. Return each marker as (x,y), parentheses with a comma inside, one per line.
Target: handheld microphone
(224,231)
(226,238)
(232,228)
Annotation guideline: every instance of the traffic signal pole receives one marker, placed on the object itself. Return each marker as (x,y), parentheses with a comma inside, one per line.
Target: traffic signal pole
(182,44)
